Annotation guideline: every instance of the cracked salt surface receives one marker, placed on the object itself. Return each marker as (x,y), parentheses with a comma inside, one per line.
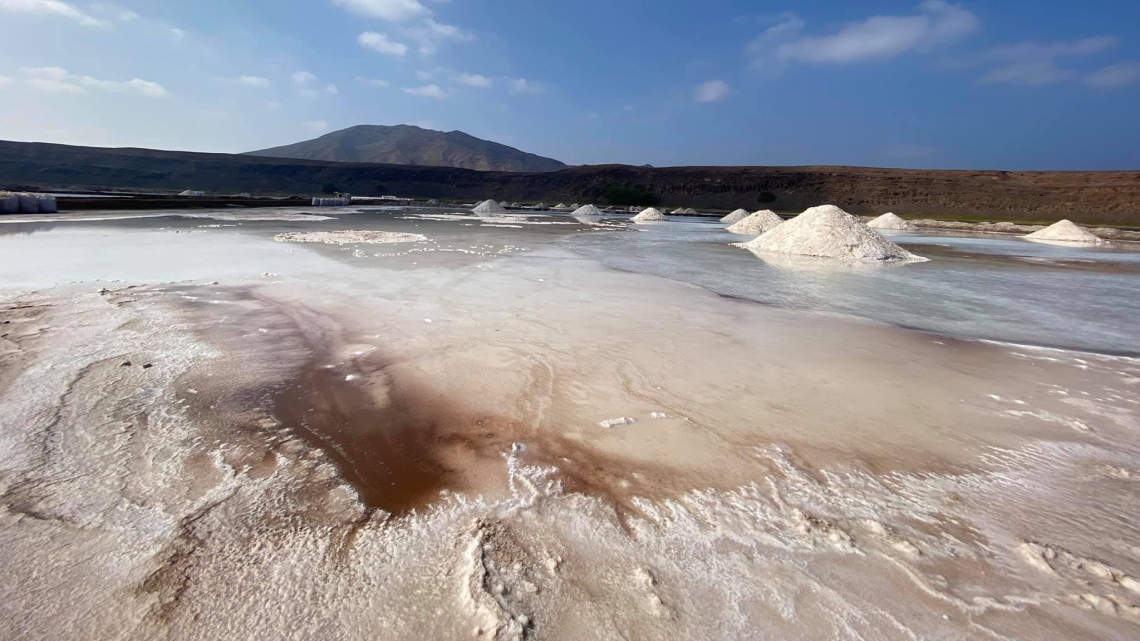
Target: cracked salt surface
(183,501)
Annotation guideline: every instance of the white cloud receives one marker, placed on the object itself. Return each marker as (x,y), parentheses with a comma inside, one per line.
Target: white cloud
(253,81)
(876,38)
(711,91)
(627,107)
(1115,76)
(144,87)
(381,43)
(316,125)
(138,22)
(57,79)
(1034,51)
(5,81)
(427,91)
(524,85)
(393,10)
(273,105)
(54,79)
(332,90)
(1029,74)
(55,8)
(431,35)
(303,78)
(1035,64)
(473,80)
(372,82)
(424,75)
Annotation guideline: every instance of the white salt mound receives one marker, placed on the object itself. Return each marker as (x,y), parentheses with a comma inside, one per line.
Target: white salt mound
(889,221)
(489,207)
(651,215)
(735,217)
(829,232)
(1066,231)
(587,210)
(758,223)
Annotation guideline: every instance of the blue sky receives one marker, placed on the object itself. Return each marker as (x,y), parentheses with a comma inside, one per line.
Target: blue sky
(1013,85)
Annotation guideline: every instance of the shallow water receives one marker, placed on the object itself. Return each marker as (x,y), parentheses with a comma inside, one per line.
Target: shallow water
(1003,289)
(975,286)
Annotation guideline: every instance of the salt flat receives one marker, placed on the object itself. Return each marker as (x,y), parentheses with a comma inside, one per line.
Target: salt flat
(204,433)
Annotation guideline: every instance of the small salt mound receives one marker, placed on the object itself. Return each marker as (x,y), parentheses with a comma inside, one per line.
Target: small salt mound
(489,207)
(650,215)
(561,206)
(758,223)
(1067,232)
(735,217)
(829,232)
(588,210)
(889,221)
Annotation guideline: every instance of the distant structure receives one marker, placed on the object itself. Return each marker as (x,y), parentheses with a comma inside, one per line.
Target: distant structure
(340,200)
(25,203)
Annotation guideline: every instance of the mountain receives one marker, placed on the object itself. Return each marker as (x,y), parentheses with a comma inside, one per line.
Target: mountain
(410,145)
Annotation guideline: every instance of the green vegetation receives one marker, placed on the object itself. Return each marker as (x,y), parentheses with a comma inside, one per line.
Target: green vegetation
(765,197)
(627,196)
(329,188)
(380,189)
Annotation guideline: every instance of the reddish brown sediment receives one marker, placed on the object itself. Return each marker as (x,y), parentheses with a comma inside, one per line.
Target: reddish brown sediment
(399,451)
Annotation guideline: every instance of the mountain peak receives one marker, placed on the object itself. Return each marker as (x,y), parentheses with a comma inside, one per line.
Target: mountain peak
(413,145)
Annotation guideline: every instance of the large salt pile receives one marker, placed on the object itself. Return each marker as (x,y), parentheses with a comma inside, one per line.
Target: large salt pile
(587,210)
(758,223)
(489,207)
(829,232)
(889,221)
(1065,231)
(736,216)
(650,215)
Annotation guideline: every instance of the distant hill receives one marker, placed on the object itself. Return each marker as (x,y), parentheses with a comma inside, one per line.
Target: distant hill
(1089,197)
(410,145)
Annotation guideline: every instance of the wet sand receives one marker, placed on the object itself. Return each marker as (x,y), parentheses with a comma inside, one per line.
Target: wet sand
(399,451)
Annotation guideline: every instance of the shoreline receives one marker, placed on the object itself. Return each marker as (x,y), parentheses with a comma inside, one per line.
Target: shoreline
(301,206)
